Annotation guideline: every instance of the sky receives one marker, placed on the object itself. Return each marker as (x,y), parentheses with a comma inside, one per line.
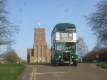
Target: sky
(28,13)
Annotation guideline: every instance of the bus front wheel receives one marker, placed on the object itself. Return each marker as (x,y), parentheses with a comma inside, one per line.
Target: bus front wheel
(56,63)
(51,61)
(75,63)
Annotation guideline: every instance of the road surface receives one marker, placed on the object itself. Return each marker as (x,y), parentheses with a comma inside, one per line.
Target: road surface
(84,71)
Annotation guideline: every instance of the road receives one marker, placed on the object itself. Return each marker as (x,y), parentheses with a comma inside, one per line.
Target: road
(84,71)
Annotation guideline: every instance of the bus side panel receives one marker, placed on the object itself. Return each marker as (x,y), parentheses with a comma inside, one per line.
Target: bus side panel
(76,57)
(56,57)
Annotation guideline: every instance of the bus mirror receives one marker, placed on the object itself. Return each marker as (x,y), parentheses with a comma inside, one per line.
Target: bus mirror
(52,47)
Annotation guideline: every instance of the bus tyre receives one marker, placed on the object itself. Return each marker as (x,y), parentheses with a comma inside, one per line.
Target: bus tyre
(51,61)
(56,63)
(75,63)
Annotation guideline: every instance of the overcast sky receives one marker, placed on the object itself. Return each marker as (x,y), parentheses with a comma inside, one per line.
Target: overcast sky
(28,13)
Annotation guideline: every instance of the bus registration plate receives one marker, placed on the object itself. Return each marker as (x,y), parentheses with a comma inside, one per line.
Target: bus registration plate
(66,62)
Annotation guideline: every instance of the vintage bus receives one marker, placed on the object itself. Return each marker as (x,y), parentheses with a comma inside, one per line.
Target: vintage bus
(63,44)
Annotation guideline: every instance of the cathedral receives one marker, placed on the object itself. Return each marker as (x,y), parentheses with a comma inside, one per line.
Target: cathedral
(39,52)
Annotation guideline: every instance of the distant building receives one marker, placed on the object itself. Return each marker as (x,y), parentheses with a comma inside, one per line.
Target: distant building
(2,60)
(39,52)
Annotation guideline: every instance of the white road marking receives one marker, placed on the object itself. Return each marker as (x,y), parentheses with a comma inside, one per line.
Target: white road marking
(94,66)
(51,72)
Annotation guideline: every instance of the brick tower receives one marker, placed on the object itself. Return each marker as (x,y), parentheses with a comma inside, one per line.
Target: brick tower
(39,52)
(39,44)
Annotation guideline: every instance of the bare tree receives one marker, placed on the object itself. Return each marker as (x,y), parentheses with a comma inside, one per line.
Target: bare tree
(92,55)
(98,21)
(11,55)
(7,29)
(97,47)
(81,48)
(2,55)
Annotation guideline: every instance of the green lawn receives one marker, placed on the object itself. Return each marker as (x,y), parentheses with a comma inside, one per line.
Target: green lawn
(103,64)
(11,71)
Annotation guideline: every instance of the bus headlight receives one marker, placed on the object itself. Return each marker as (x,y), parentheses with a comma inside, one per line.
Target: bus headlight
(59,56)
(76,59)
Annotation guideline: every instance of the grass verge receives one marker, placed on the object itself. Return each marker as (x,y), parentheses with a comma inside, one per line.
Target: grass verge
(11,71)
(102,64)
(36,63)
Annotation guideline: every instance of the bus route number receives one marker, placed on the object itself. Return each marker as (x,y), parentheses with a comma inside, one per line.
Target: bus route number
(64,34)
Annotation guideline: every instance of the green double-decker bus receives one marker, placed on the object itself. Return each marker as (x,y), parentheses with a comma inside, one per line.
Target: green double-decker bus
(63,44)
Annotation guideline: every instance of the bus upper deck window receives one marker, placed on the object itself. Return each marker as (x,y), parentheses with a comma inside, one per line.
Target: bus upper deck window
(61,29)
(71,29)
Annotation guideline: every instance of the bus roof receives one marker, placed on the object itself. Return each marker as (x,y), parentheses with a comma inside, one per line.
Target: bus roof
(64,24)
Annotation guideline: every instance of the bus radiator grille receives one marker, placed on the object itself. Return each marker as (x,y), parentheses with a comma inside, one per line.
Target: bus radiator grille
(66,56)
